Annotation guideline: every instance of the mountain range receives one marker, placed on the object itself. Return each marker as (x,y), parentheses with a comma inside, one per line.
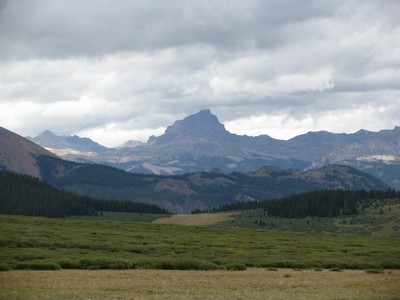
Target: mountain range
(177,193)
(200,143)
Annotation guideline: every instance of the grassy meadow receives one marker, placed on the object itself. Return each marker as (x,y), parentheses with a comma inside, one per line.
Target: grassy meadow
(145,256)
(195,219)
(254,283)
(43,243)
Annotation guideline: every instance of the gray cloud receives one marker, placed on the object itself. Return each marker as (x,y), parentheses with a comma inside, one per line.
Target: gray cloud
(130,68)
(97,27)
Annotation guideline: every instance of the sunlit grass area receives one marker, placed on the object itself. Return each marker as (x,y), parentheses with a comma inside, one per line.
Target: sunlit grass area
(195,219)
(169,284)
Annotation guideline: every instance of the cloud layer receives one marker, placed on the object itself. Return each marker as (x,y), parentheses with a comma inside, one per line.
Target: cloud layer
(118,70)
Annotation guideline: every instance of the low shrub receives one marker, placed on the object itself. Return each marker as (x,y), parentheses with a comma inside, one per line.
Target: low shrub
(318,269)
(272,269)
(69,264)
(26,257)
(336,270)
(185,264)
(104,264)
(37,266)
(4,267)
(287,276)
(375,271)
(206,265)
(286,264)
(236,266)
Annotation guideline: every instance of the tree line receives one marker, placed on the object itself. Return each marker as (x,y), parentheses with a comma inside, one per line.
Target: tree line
(26,195)
(322,203)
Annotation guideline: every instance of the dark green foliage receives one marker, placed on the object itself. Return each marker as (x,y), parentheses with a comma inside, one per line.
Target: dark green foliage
(336,270)
(185,264)
(236,267)
(26,195)
(66,263)
(37,266)
(375,271)
(4,267)
(324,203)
(101,264)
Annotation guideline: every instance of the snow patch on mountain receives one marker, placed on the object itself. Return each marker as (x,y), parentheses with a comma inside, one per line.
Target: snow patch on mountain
(387,159)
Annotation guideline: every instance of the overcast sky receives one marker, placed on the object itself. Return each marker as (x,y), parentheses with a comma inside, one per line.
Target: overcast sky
(116,70)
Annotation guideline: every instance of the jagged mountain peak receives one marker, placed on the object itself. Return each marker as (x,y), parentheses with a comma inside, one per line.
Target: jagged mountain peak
(49,140)
(47,133)
(203,123)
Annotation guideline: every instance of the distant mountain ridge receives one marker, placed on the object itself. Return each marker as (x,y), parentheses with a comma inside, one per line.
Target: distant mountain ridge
(66,146)
(183,193)
(200,143)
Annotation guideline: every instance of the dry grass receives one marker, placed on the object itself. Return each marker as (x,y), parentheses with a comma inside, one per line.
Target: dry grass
(160,284)
(195,219)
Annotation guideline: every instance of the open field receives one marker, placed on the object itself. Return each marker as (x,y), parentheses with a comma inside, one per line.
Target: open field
(195,219)
(43,243)
(162,284)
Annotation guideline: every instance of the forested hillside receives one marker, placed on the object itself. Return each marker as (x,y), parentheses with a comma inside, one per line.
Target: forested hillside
(324,203)
(26,195)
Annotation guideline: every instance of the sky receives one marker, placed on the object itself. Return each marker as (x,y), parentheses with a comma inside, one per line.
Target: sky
(118,70)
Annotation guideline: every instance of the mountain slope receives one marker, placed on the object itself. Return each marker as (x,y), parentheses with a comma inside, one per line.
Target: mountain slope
(204,190)
(20,155)
(25,195)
